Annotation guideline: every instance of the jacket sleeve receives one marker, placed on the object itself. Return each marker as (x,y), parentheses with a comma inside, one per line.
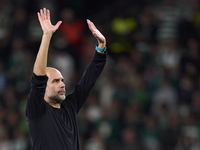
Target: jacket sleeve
(87,81)
(35,103)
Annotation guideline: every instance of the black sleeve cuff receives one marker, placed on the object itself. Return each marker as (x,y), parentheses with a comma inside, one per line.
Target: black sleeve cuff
(99,56)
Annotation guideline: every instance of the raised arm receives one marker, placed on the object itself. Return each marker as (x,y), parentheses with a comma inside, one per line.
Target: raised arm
(97,34)
(81,91)
(48,30)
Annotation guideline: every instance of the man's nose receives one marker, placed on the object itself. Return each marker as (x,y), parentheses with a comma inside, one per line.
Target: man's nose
(62,85)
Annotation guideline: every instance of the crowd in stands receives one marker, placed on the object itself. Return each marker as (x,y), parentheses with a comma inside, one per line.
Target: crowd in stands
(148,96)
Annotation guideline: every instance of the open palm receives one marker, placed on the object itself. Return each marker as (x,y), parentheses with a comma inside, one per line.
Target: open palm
(97,34)
(44,18)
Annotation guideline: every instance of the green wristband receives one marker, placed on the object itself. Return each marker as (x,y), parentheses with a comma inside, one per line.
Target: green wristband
(100,49)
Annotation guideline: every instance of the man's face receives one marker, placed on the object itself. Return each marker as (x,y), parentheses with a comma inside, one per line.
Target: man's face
(55,90)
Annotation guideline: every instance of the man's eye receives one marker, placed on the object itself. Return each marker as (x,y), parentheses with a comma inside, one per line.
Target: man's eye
(55,80)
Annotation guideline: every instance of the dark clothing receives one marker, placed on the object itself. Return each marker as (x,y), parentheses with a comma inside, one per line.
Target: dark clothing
(56,129)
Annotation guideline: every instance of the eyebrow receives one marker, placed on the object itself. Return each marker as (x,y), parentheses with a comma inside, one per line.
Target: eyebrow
(57,79)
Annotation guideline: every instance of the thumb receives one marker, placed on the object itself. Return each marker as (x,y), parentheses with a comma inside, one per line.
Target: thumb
(57,25)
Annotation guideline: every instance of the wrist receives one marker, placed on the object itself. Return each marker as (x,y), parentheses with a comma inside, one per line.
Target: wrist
(101,45)
(101,50)
(47,35)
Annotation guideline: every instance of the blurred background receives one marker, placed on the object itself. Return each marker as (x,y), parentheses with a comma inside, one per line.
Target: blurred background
(148,96)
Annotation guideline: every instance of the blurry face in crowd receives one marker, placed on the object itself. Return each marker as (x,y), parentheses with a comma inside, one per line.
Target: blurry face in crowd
(55,90)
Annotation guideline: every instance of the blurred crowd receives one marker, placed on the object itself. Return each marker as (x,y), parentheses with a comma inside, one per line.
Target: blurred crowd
(148,96)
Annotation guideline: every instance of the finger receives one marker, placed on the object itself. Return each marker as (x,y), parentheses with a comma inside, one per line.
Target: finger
(40,20)
(39,17)
(48,14)
(92,28)
(91,25)
(45,13)
(88,21)
(41,14)
(97,34)
(58,24)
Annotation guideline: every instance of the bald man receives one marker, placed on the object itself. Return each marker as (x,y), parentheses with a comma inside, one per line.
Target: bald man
(51,115)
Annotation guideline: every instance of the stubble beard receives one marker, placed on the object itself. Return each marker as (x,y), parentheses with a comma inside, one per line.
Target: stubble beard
(55,98)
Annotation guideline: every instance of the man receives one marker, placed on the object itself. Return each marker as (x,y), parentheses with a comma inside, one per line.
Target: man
(50,114)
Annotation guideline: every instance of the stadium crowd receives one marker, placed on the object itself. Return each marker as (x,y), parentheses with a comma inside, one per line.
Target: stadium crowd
(148,96)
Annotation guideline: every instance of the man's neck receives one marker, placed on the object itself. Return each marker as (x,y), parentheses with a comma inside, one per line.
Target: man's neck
(55,105)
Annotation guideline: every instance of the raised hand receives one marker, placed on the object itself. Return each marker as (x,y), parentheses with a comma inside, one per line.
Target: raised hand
(44,19)
(97,34)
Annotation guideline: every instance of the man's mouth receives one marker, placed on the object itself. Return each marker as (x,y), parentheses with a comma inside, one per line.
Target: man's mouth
(61,92)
